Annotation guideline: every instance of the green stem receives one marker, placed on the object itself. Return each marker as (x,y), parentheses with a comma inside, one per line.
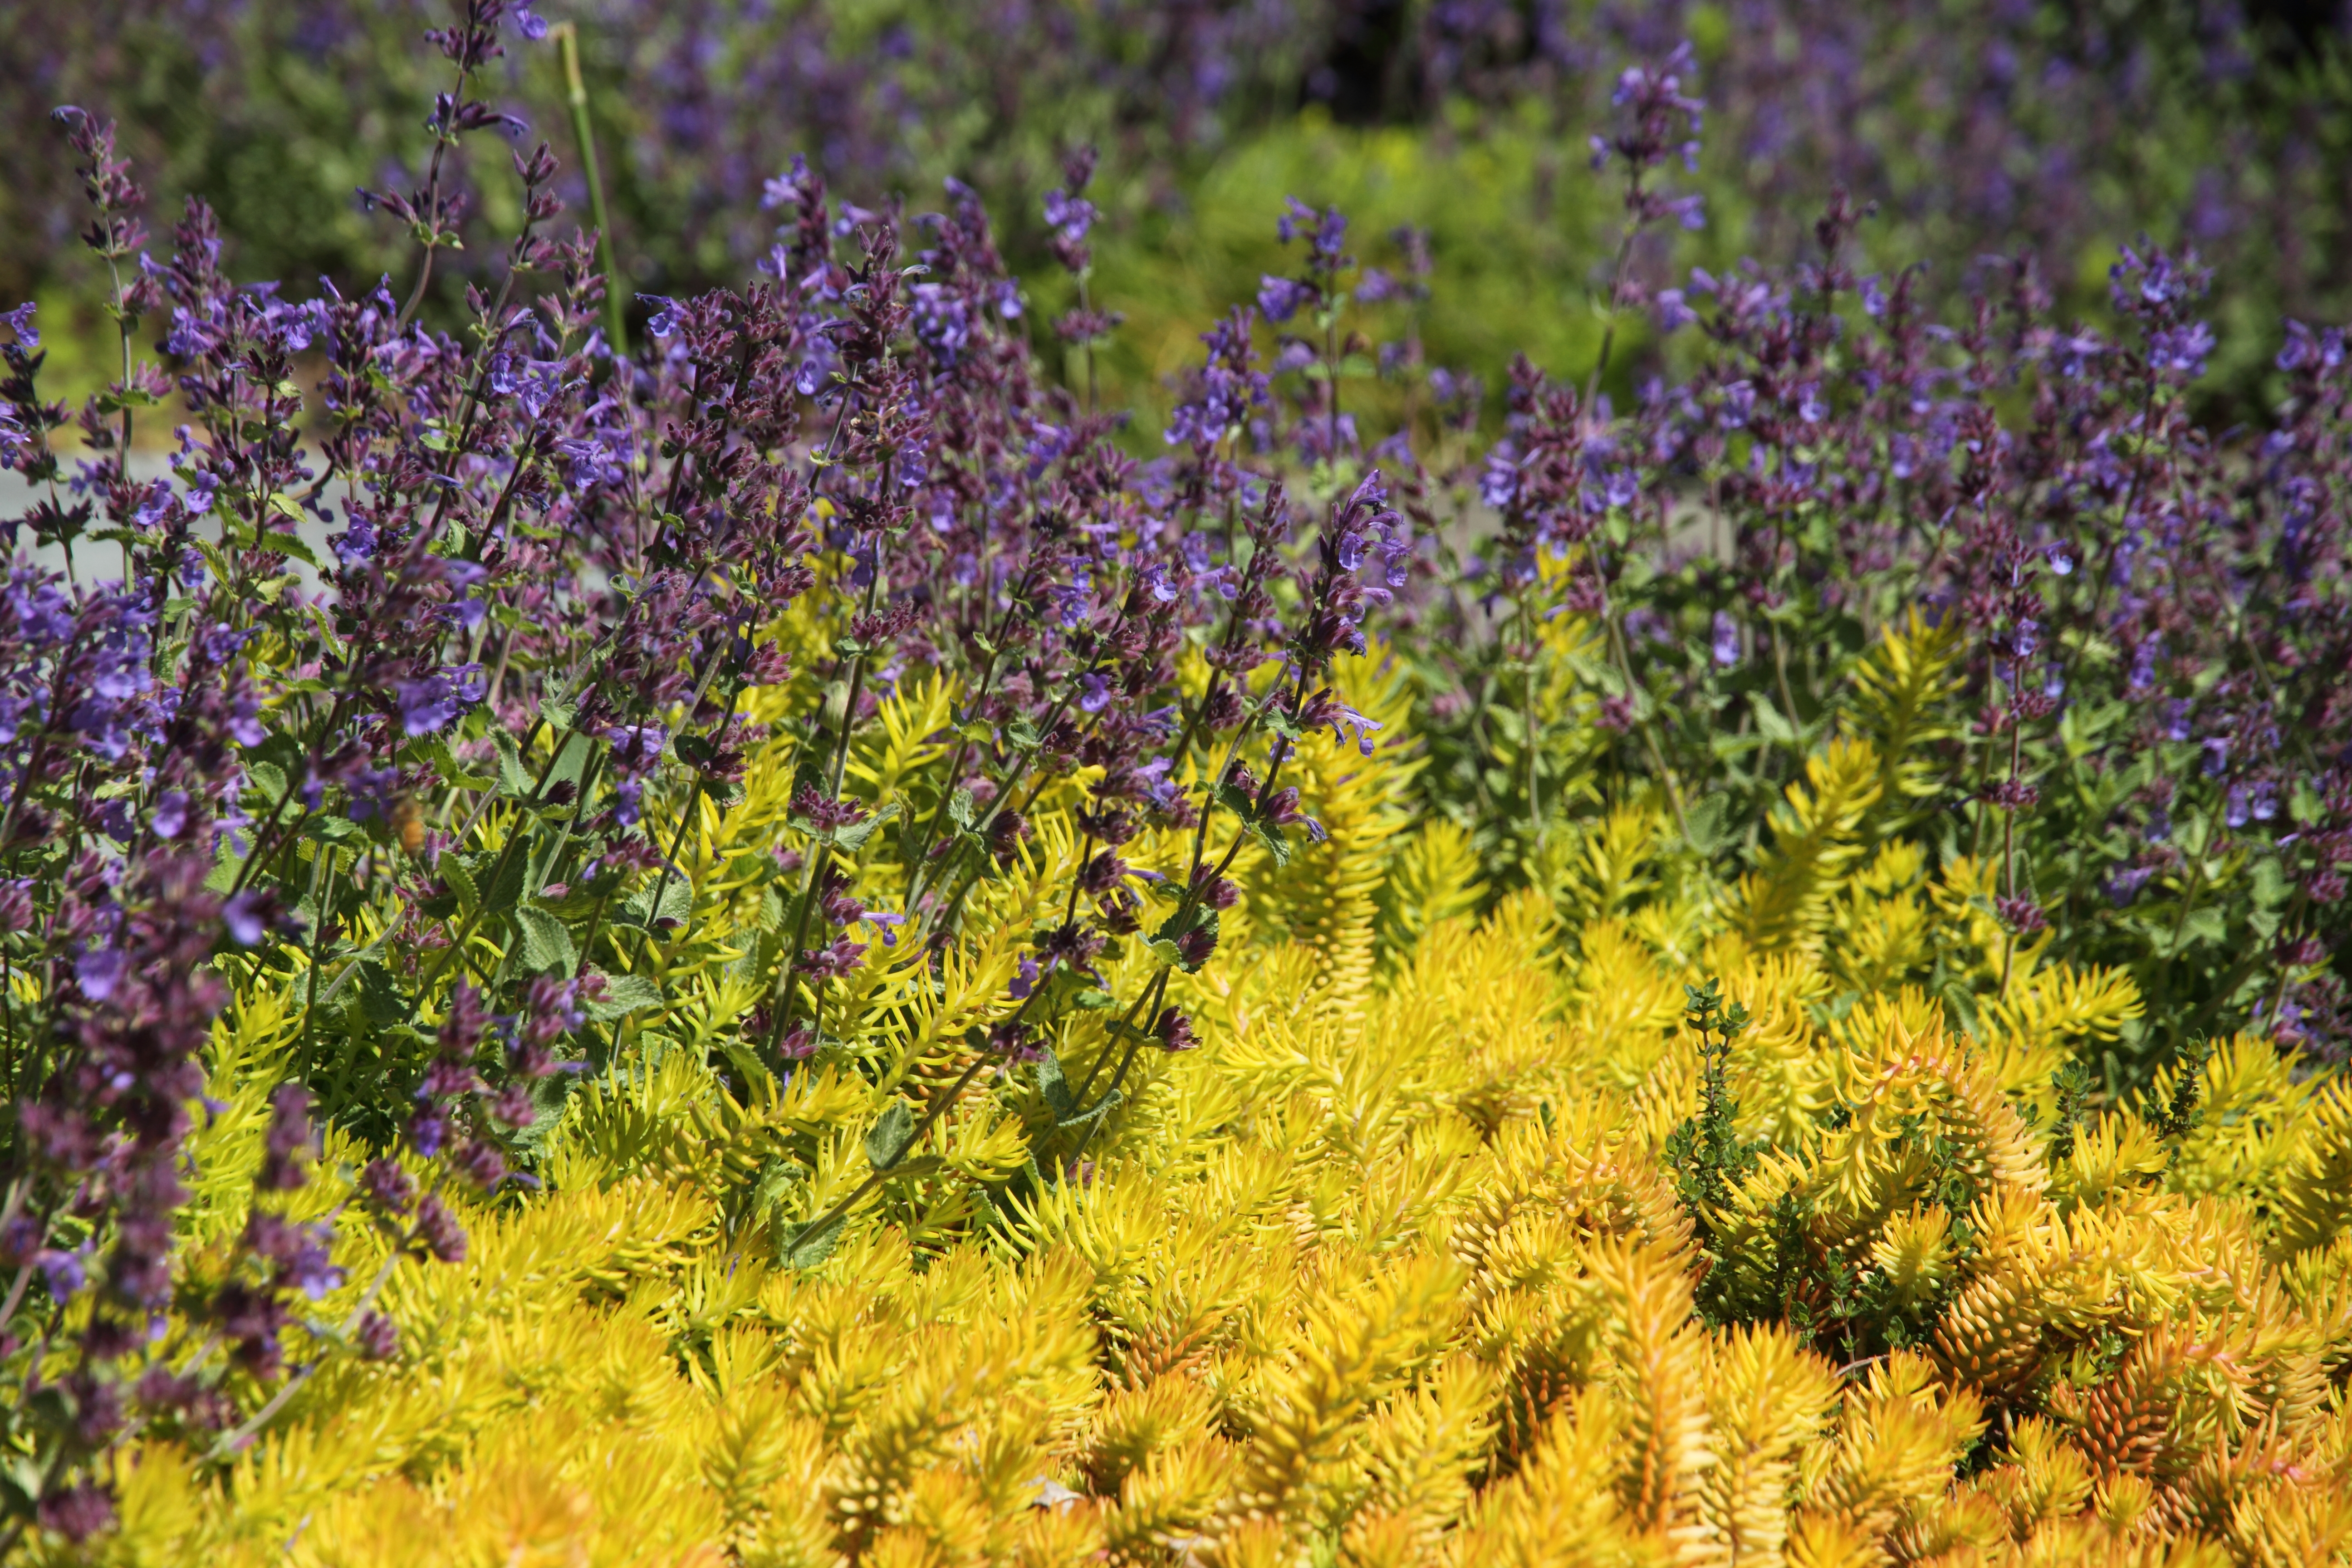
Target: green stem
(514,841)
(1149,1007)
(938,1109)
(1527,722)
(575,92)
(781,1006)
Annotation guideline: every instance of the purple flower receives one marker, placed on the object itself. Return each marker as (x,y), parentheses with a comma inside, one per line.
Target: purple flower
(2321,352)
(2022,915)
(62,1273)
(941,320)
(377,1336)
(435,702)
(664,322)
(481,1163)
(99,971)
(785,189)
(595,460)
(77,1512)
(1499,483)
(1725,646)
(439,1230)
(1071,217)
(1173,1029)
(1279,298)
(1012,1040)
(387,1186)
(248,916)
(637,747)
(1283,811)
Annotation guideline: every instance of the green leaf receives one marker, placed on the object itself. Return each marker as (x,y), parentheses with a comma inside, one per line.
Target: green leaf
(270,777)
(1095,1113)
(1235,799)
(1707,823)
(1178,926)
(435,750)
(21,1476)
(507,891)
(214,559)
(2205,925)
(810,1248)
(454,872)
(1768,721)
(514,779)
(677,904)
(776,1178)
(380,1000)
(558,713)
(546,942)
(886,1141)
(295,545)
(624,995)
(1052,1084)
(852,837)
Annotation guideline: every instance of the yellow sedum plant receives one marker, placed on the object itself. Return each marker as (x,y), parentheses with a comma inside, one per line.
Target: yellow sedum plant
(1402,1265)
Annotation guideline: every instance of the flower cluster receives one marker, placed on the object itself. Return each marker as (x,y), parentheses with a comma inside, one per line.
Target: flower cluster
(2025,126)
(829,685)
(2144,622)
(403,696)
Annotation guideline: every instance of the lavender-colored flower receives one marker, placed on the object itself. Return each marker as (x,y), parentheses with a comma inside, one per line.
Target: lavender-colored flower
(439,1231)
(288,1137)
(1279,298)
(377,1336)
(62,1274)
(433,703)
(1725,648)
(664,321)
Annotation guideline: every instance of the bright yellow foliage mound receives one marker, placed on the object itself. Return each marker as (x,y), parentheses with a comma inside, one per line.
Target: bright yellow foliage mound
(1394,1281)
(1393,1269)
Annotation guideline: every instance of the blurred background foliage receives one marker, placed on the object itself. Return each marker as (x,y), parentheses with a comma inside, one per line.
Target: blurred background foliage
(1977,126)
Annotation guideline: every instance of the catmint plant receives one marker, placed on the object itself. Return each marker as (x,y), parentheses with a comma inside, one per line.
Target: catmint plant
(448,630)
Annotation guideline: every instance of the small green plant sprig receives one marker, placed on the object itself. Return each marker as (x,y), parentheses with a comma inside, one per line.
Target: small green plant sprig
(1705,1152)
